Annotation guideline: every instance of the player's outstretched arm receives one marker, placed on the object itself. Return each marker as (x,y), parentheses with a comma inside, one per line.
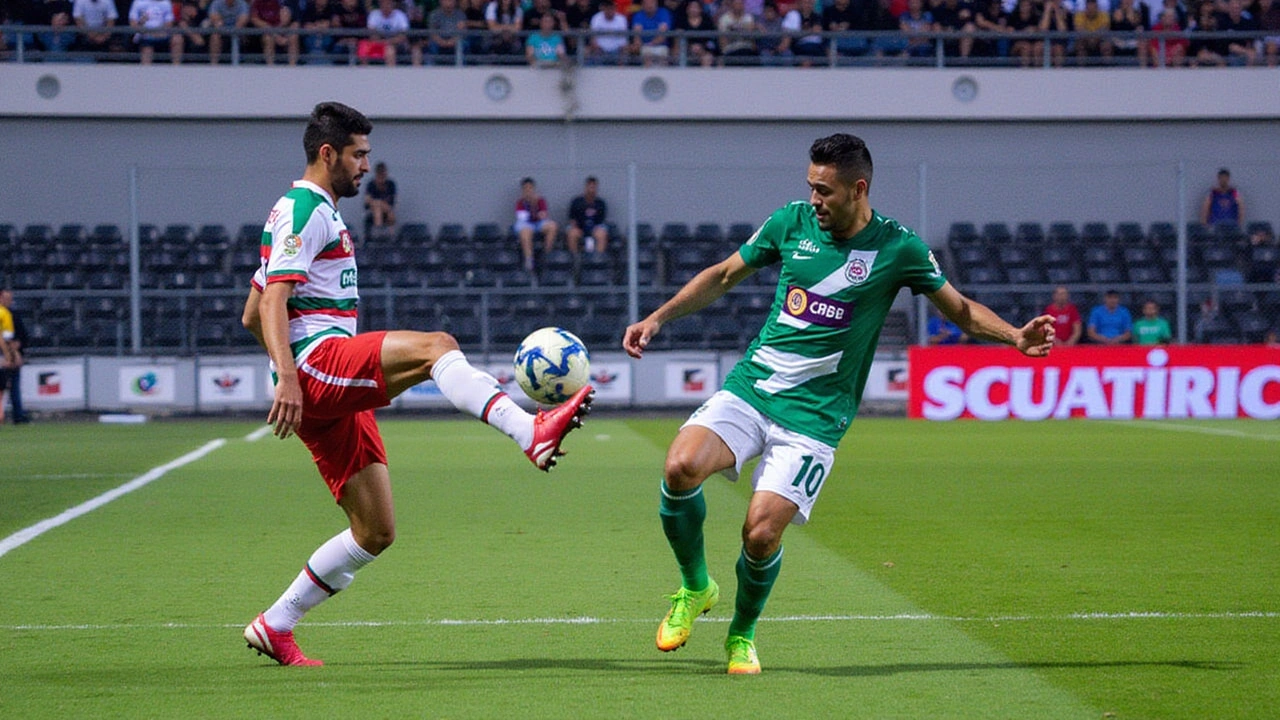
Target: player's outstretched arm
(1035,339)
(705,288)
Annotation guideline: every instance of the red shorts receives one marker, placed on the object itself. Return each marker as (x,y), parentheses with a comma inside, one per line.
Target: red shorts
(342,383)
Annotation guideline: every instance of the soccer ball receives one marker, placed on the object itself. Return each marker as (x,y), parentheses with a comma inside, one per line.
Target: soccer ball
(551,365)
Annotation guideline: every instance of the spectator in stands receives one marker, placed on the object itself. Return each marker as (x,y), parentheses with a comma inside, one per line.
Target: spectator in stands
(545,46)
(577,17)
(1168,51)
(955,16)
(1093,26)
(650,24)
(1211,52)
(192,18)
(1054,18)
(608,35)
(1235,19)
(57,15)
(225,15)
(532,19)
(18,12)
(16,336)
(775,47)
(1129,17)
(1067,326)
(840,16)
(380,202)
(1222,204)
(477,24)
(153,15)
(1269,21)
(505,18)
(989,17)
(391,35)
(808,43)
(879,18)
(588,214)
(1110,323)
(914,22)
(1207,323)
(10,360)
(90,15)
(349,15)
(1025,19)
(942,331)
(1151,329)
(274,15)
(737,47)
(532,217)
(695,19)
(317,16)
(447,24)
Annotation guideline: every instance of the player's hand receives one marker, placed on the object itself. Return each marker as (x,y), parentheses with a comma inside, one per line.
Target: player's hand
(286,409)
(638,336)
(1035,339)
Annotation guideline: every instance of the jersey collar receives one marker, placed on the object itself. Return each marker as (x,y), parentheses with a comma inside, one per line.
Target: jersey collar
(316,189)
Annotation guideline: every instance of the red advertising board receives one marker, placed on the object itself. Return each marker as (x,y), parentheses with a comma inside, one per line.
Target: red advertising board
(1182,381)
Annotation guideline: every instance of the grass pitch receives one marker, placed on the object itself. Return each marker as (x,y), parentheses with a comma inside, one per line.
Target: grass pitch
(965,570)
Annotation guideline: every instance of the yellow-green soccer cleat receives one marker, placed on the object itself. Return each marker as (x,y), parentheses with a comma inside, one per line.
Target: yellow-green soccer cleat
(686,606)
(742,656)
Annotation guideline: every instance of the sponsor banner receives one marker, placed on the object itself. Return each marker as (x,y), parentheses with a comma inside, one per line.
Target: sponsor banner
(612,381)
(147,384)
(53,384)
(227,384)
(1182,381)
(691,380)
(887,381)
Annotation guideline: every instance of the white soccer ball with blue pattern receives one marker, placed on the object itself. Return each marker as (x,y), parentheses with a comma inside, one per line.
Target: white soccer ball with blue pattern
(551,365)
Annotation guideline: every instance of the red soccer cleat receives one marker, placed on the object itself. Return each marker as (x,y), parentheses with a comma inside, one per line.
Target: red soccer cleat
(551,426)
(278,646)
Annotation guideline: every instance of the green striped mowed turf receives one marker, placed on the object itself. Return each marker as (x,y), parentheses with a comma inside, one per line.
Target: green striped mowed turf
(965,570)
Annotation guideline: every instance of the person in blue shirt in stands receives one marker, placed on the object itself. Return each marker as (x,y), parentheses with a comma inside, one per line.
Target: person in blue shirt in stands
(1110,323)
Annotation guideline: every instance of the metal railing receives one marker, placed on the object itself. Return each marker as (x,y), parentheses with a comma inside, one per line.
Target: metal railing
(42,43)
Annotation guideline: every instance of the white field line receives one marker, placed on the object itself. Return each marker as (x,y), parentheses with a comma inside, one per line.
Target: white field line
(905,617)
(1199,429)
(25,535)
(258,434)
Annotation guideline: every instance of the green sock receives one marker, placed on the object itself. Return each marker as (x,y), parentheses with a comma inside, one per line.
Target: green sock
(755,580)
(682,516)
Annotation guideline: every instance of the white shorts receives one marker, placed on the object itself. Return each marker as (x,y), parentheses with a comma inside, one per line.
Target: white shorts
(791,465)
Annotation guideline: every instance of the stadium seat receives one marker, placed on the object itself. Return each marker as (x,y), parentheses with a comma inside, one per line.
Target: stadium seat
(1031,233)
(1064,274)
(67,280)
(1129,233)
(1103,274)
(708,233)
(488,234)
(213,237)
(996,233)
(38,234)
(1146,274)
(1095,255)
(1228,233)
(1094,233)
(739,233)
(675,233)
(962,233)
(249,235)
(105,280)
(71,233)
(1063,233)
(1162,233)
(452,234)
(413,235)
(1217,257)
(1024,275)
(1264,263)
(1254,326)
(645,234)
(1198,232)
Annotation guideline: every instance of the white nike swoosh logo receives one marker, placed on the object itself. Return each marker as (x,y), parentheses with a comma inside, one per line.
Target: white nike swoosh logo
(798,256)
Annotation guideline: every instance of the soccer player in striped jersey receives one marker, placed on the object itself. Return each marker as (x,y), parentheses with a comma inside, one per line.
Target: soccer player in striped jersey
(791,398)
(329,380)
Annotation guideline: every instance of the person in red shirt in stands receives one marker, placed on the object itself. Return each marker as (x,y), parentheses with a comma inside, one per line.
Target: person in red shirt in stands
(1067,325)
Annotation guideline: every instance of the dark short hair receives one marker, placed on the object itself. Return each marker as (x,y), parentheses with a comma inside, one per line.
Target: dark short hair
(332,124)
(847,153)
(1224,171)
(1112,292)
(591,179)
(527,181)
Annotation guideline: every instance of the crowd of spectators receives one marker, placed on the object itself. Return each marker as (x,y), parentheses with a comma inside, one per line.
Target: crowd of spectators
(658,32)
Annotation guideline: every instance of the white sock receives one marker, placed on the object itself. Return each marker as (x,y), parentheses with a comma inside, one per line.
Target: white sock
(479,394)
(331,568)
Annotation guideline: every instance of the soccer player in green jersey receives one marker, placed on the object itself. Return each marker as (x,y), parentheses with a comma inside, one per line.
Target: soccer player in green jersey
(791,398)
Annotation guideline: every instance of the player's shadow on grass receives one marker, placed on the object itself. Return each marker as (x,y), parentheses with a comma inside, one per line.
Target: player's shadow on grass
(674,666)
(901,668)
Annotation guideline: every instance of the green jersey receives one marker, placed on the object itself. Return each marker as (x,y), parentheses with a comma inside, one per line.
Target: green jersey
(807,367)
(1151,332)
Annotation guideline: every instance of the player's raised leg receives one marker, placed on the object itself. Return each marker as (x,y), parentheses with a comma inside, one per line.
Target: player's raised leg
(409,358)
(758,566)
(366,498)
(695,454)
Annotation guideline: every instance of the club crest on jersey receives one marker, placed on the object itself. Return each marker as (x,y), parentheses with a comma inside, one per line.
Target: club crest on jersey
(857,271)
(347,246)
(291,245)
(817,309)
